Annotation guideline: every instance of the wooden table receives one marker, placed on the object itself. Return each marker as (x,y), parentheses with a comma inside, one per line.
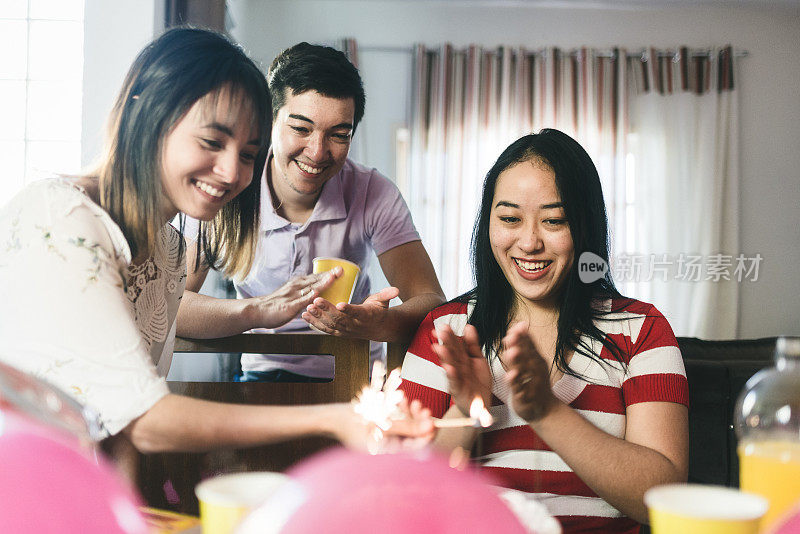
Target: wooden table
(167,480)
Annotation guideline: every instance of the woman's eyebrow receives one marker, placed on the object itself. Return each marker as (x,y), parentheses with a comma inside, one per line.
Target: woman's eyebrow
(222,128)
(552,205)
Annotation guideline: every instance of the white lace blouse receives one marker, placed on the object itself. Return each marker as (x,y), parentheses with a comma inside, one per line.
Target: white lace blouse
(75,312)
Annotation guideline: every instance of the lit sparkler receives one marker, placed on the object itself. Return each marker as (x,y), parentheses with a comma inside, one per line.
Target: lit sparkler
(378,403)
(479,417)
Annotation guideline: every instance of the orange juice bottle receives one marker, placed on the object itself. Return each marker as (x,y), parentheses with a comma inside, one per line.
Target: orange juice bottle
(772,470)
(767,420)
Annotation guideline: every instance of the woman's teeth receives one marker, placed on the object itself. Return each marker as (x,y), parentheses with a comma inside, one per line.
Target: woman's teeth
(531,266)
(307,168)
(210,189)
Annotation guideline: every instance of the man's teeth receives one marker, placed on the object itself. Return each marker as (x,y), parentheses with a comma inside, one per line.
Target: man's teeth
(532,266)
(308,169)
(210,189)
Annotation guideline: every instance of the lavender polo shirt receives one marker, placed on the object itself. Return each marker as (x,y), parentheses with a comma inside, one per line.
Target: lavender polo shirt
(358,210)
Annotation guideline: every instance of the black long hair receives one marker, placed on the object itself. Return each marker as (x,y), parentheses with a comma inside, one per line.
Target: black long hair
(579,186)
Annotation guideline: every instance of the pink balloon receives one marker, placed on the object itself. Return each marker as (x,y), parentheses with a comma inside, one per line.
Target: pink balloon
(15,422)
(790,524)
(49,485)
(343,491)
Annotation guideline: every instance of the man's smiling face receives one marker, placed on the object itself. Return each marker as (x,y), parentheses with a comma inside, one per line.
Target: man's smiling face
(311,138)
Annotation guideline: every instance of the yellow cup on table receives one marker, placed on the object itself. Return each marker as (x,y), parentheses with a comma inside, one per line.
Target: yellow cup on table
(703,509)
(226,499)
(341,290)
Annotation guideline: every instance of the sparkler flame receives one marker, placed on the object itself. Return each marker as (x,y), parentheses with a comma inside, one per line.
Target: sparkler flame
(479,416)
(378,403)
(478,412)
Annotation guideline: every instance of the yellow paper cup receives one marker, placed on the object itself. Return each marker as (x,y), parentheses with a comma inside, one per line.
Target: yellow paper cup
(702,509)
(342,289)
(225,499)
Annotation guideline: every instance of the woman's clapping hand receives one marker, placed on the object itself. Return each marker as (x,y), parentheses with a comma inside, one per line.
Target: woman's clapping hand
(528,375)
(466,367)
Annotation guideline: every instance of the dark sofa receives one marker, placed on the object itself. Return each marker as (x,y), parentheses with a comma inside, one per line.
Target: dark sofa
(717,372)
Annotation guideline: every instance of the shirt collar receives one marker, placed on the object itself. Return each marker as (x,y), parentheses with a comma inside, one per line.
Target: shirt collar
(330,204)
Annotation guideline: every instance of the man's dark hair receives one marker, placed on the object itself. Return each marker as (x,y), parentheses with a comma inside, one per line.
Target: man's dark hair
(306,67)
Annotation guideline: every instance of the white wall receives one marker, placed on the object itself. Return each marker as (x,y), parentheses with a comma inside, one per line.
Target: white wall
(770,104)
(114,32)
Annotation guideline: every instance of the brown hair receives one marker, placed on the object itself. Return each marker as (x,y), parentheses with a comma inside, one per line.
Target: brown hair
(165,80)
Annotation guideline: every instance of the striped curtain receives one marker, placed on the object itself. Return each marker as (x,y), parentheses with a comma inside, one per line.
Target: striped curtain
(629,110)
(469,104)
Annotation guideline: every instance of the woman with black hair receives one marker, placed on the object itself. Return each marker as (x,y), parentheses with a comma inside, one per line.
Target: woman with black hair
(92,273)
(587,388)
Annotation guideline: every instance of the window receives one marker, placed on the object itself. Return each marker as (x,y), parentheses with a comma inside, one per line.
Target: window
(41,73)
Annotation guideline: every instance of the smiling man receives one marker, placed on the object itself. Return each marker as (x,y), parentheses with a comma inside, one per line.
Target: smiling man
(315,202)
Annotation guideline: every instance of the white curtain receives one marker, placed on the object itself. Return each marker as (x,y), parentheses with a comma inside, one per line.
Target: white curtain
(684,128)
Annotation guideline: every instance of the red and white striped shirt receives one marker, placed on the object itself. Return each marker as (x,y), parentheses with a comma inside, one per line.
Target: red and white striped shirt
(512,451)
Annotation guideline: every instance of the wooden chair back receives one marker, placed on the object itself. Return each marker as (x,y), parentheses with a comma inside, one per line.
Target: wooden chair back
(395,352)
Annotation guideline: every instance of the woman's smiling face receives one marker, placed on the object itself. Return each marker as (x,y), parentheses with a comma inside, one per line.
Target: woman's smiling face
(529,232)
(208,156)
